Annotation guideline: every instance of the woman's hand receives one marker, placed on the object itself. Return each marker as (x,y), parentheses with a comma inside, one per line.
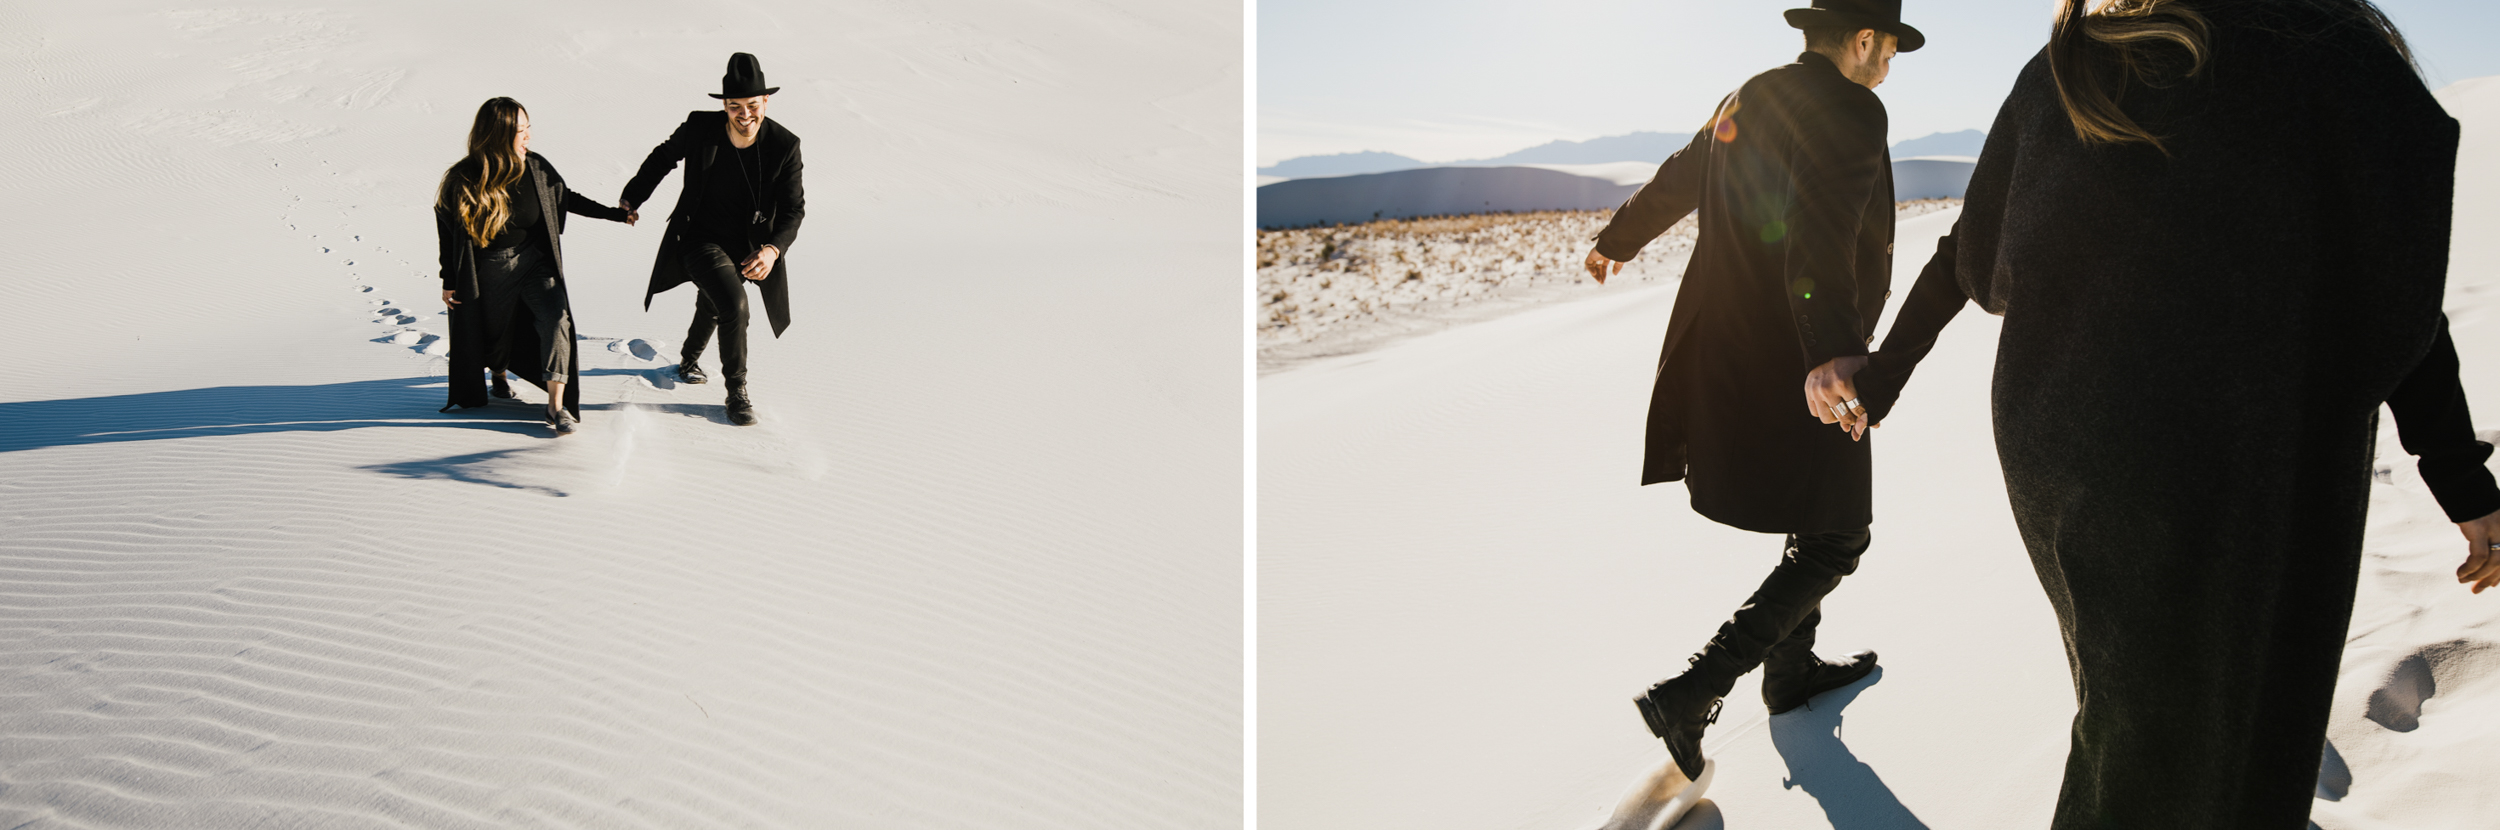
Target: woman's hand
(2482,552)
(631,215)
(447,300)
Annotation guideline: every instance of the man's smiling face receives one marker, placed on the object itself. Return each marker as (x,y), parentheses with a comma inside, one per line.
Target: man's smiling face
(745,114)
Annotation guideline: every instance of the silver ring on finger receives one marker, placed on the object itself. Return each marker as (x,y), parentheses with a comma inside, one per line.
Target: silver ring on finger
(1852,403)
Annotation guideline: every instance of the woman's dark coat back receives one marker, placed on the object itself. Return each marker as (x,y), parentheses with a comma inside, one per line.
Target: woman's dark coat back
(1791,268)
(700,142)
(474,346)
(2194,349)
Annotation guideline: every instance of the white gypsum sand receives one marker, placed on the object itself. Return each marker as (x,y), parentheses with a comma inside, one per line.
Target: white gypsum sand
(1462,587)
(1343,289)
(979,566)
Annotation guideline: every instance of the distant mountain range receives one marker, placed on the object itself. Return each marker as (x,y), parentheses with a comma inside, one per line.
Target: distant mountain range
(1641,146)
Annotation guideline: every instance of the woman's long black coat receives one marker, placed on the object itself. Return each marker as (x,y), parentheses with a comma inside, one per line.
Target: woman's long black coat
(2193,353)
(1791,268)
(700,142)
(474,345)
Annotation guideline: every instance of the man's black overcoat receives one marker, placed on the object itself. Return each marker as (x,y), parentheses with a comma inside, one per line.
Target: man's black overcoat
(703,141)
(1794,185)
(474,346)
(2194,349)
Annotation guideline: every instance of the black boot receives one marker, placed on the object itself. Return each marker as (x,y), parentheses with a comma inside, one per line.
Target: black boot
(741,410)
(1678,709)
(1792,675)
(688,372)
(501,389)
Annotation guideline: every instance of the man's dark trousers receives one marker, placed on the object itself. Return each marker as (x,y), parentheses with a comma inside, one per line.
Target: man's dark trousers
(1777,624)
(720,305)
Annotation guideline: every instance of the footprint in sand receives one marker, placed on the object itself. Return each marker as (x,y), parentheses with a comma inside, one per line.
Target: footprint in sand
(639,348)
(2397,702)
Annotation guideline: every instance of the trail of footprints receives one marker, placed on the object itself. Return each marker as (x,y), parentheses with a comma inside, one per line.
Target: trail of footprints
(421,328)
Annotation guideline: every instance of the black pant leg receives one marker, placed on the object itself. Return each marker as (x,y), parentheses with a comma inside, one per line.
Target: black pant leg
(721,309)
(1812,566)
(542,293)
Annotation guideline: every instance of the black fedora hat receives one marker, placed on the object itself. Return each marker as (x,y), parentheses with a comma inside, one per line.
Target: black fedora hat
(1879,15)
(746,78)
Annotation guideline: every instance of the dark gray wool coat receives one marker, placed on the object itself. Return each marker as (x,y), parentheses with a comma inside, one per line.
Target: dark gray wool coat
(474,346)
(700,142)
(1794,185)
(2193,353)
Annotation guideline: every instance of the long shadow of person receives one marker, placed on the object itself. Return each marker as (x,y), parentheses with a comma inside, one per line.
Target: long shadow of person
(394,403)
(1852,796)
(248,410)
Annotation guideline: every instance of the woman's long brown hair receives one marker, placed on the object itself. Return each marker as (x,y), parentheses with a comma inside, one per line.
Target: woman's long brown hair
(473,189)
(2096,54)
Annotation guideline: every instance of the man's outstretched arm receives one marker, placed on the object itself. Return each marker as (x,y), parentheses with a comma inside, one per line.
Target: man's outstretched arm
(656,166)
(1670,194)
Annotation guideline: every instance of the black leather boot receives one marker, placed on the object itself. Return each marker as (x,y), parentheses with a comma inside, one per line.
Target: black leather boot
(1678,708)
(688,372)
(1792,675)
(741,410)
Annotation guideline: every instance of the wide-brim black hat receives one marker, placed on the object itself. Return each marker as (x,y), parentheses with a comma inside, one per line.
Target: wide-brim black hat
(746,78)
(1879,15)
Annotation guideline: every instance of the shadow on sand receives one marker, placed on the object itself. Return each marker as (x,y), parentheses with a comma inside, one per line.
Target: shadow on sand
(1853,797)
(1704,816)
(247,410)
(250,410)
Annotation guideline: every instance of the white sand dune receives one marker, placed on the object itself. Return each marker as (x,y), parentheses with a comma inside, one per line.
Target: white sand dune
(1461,588)
(979,566)
(1932,177)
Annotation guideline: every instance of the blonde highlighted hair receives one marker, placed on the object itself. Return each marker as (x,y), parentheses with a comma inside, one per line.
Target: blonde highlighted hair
(474,189)
(2097,53)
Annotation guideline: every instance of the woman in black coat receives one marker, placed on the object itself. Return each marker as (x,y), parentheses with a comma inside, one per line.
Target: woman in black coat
(2217,252)
(499,222)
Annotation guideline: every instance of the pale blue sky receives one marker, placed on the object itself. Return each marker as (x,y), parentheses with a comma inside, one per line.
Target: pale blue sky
(1442,80)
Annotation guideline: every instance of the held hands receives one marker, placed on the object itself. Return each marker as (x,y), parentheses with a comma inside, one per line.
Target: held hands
(2482,561)
(760,265)
(1599,266)
(631,215)
(1832,398)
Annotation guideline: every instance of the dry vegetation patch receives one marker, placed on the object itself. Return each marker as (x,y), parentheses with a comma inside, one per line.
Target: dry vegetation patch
(1337,283)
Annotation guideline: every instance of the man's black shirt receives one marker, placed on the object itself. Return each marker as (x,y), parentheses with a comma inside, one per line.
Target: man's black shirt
(732,199)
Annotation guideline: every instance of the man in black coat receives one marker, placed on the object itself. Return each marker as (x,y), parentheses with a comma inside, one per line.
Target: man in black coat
(733,223)
(1794,184)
